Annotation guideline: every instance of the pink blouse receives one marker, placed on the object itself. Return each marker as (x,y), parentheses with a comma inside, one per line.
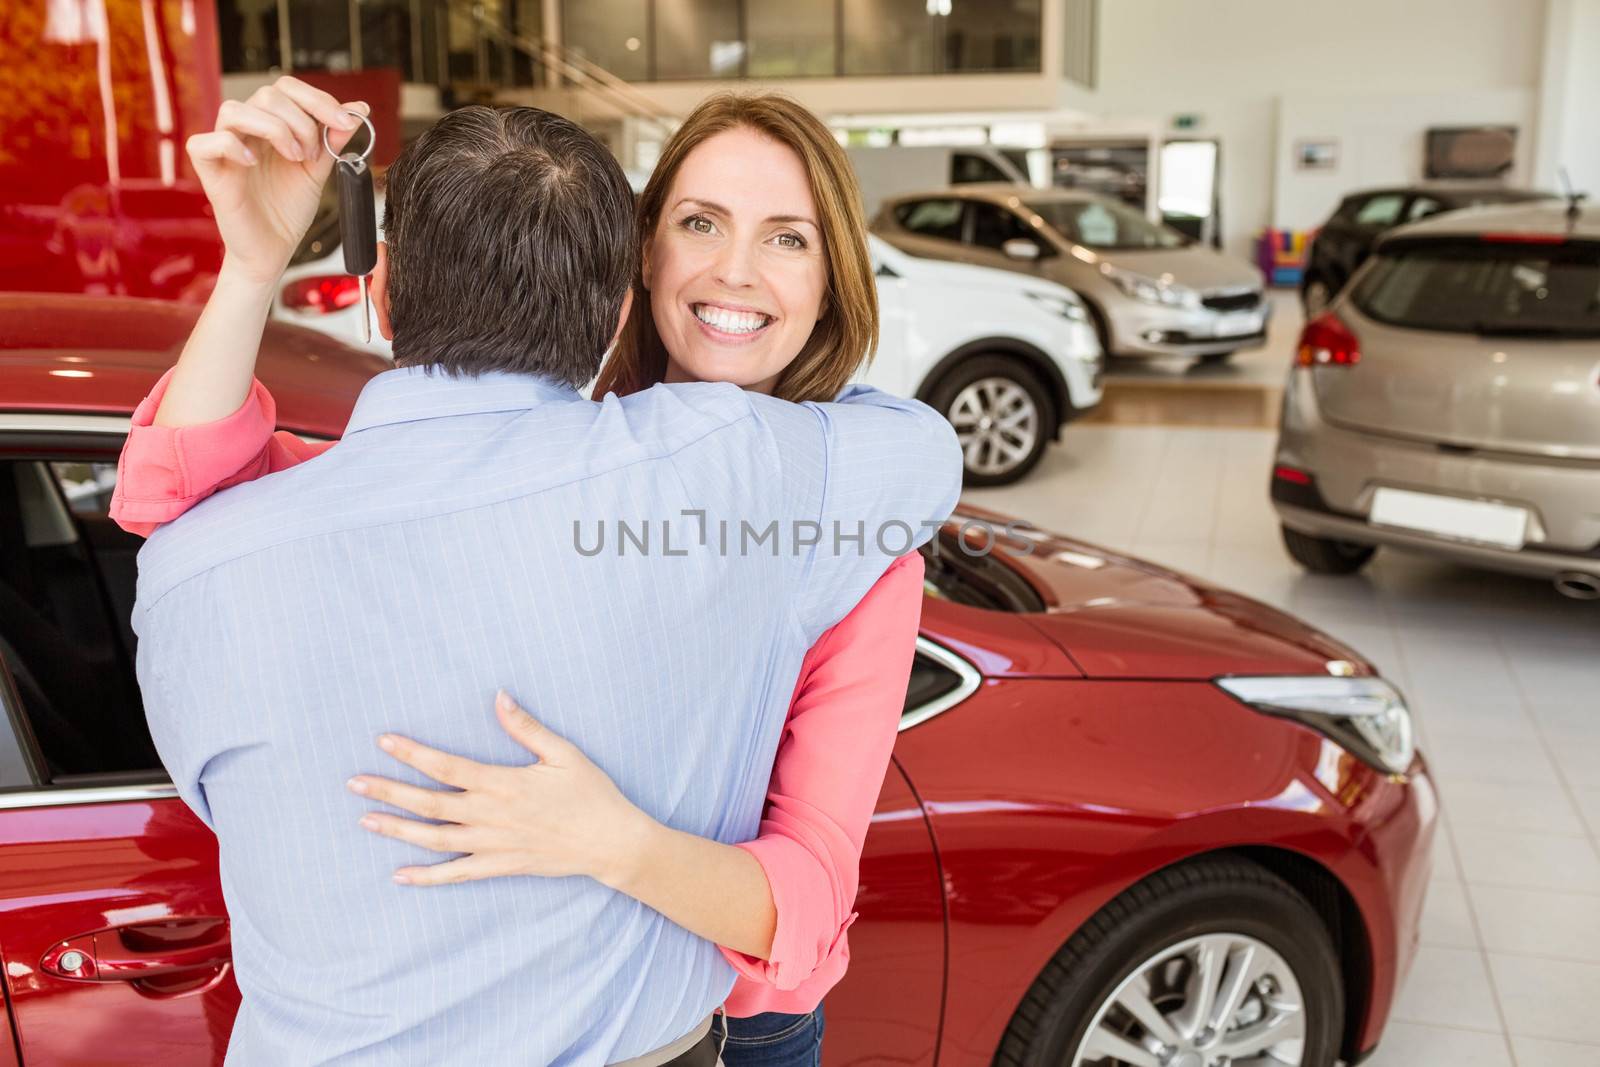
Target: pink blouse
(841,728)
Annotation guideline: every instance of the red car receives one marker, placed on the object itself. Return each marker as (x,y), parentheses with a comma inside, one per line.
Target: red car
(1132,819)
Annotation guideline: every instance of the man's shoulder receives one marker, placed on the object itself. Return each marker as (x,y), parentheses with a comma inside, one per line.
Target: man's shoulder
(679,414)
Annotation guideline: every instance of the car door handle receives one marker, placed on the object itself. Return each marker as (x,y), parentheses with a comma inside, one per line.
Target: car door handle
(147,950)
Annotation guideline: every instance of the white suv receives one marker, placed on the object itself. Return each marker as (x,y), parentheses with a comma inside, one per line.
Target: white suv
(1007,358)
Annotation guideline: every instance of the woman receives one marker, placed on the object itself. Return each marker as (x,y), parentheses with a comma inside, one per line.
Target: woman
(754,271)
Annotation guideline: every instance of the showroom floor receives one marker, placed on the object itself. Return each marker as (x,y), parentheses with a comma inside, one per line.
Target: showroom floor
(1503,674)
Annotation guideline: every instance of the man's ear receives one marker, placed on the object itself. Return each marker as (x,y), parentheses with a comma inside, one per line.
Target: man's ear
(378,286)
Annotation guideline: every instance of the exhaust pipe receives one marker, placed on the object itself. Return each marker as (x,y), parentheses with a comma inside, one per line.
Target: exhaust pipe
(1578,586)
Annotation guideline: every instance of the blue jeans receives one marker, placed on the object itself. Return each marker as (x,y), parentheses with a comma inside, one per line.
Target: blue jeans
(773,1040)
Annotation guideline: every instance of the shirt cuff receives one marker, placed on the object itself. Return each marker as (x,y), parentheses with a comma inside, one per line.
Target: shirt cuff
(804,940)
(165,470)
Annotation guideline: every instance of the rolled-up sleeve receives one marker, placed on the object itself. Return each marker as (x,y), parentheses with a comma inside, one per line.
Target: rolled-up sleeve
(166,470)
(829,770)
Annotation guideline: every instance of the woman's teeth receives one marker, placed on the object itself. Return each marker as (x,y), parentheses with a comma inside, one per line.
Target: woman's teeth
(730,321)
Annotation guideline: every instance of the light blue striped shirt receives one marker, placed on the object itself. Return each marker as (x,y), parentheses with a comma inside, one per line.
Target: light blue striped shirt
(444,549)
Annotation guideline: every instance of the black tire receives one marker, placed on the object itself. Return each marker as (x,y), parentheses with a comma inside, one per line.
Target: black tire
(1215,359)
(1223,894)
(943,396)
(1321,555)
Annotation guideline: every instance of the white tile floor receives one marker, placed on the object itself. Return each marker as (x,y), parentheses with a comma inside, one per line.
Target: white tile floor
(1502,673)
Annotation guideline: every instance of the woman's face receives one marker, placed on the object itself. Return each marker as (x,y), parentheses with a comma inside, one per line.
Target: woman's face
(735,267)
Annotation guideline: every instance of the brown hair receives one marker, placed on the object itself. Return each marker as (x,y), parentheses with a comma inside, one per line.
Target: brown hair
(847,333)
(511,245)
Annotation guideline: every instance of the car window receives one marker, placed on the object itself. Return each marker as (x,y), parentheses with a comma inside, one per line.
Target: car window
(1491,288)
(1421,207)
(930,680)
(1381,210)
(66,589)
(966,168)
(961,575)
(1105,224)
(993,226)
(932,218)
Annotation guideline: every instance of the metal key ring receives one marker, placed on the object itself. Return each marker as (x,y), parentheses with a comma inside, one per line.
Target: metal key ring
(372,137)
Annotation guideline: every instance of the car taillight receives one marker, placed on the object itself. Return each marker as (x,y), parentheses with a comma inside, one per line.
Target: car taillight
(1291,474)
(322,293)
(1326,341)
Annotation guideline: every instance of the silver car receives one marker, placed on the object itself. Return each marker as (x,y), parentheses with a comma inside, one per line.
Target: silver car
(1150,290)
(1449,401)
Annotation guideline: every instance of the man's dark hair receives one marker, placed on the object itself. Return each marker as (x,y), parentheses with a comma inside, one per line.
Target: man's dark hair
(511,245)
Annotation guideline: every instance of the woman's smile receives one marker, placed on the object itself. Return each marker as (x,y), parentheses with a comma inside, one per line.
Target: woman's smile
(730,324)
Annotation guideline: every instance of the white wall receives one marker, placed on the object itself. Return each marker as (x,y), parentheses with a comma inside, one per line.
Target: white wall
(1381,141)
(1569,101)
(1239,63)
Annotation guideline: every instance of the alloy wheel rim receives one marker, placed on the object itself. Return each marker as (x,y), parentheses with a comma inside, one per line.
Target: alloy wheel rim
(997,423)
(1219,1000)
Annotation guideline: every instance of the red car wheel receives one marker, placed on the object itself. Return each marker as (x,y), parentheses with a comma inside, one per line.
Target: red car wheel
(1202,965)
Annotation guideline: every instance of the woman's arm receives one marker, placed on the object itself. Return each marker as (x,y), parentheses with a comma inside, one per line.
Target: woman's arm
(777,905)
(165,470)
(825,785)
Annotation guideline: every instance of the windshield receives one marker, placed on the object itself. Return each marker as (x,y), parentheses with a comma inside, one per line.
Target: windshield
(1105,225)
(1491,288)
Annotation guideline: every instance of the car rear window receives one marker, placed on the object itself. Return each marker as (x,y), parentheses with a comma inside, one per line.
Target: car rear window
(1489,287)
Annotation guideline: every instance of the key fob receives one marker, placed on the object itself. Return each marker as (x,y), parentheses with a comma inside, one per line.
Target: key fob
(358,221)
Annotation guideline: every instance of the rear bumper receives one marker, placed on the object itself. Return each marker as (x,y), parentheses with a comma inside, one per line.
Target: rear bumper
(1562,496)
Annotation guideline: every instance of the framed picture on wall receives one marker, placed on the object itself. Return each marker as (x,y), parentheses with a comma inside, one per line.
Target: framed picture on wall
(1321,153)
(1469,151)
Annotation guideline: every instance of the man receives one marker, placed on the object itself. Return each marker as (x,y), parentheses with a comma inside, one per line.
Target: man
(396,581)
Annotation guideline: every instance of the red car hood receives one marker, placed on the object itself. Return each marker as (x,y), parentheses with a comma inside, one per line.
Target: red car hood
(1118,617)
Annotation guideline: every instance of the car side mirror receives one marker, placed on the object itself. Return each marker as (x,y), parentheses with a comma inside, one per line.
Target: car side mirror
(1020,248)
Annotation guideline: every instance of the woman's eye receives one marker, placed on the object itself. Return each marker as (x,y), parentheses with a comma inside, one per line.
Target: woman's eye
(699,224)
(791,240)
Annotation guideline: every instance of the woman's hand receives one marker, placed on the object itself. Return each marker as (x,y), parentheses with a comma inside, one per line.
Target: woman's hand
(560,816)
(263,169)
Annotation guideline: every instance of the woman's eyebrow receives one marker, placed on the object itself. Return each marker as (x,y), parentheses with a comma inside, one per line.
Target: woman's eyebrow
(709,205)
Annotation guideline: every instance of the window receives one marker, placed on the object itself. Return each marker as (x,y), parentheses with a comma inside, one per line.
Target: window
(66,591)
(1380,210)
(966,168)
(1108,225)
(698,39)
(959,575)
(993,226)
(929,681)
(940,36)
(932,218)
(1491,289)
(1422,207)
(610,33)
(790,38)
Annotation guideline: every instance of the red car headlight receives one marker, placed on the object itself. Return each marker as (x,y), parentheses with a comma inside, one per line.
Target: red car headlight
(1367,716)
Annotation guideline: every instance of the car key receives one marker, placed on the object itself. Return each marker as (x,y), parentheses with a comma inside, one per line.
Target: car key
(358,222)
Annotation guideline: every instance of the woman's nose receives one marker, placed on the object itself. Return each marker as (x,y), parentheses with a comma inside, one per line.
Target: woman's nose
(735,266)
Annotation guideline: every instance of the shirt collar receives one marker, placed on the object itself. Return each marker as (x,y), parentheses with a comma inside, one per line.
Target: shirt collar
(411,394)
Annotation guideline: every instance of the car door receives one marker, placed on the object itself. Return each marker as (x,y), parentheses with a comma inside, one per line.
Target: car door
(888,1008)
(113,932)
(991,227)
(934,228)
(1367,221)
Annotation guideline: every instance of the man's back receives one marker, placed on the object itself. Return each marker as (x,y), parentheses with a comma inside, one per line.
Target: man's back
(444,550)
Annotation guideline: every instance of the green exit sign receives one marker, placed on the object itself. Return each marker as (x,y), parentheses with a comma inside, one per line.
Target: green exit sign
(1186,122)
